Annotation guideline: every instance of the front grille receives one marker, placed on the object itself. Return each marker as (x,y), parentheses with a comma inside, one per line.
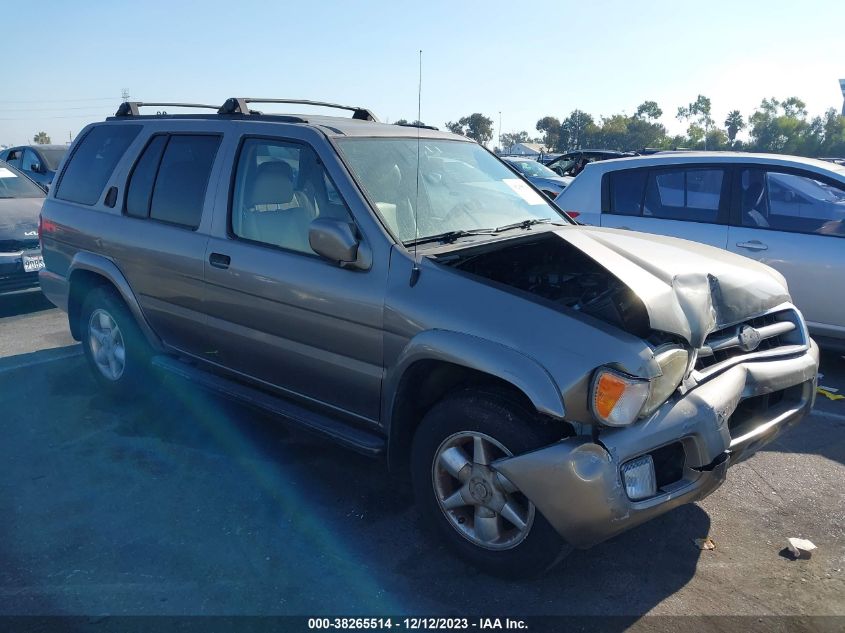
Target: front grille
(773,330)
(15,246)
(18,281)
(756,410)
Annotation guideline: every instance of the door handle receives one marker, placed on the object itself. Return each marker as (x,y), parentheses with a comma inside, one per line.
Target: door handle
(753,245)
(219,260)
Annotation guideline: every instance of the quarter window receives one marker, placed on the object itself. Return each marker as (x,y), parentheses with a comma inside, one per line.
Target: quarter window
(93,162)
(791,202)
(280,187)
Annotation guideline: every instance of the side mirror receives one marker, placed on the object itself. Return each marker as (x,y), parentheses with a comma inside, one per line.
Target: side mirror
(36,167)
(336,241)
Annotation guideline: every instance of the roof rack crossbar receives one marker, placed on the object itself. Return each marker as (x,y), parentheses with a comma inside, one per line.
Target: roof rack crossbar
(240,105)
(132,108)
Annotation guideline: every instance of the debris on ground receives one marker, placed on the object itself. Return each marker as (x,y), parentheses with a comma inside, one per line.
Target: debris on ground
(800,547)
(829,395)
(705,543)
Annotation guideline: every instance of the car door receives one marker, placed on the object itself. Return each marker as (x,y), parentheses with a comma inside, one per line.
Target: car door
(277,312)
(687,201)
(161,249)
(793,221)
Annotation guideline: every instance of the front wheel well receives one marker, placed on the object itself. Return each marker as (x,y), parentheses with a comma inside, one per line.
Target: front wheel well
(425,383)
(81,283)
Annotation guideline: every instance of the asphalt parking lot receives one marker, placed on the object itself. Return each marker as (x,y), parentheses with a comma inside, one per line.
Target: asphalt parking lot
(184,504)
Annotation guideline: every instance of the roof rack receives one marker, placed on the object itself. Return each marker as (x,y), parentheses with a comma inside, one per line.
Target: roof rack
(420,125)
(131,108)
(240,105)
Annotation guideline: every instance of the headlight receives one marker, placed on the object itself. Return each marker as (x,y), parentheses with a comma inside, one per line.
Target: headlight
(673,366)
(617,399)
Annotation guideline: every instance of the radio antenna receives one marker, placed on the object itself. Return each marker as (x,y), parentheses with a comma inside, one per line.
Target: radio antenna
(415,271)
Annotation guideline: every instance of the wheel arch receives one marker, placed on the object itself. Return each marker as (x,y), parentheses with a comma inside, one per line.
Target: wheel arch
(88,271)
(437,362)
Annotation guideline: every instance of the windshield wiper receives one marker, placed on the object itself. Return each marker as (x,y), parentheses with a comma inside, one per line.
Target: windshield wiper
(526,224)
(450,236)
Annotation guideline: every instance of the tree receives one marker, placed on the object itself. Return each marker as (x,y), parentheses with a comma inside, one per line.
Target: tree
(476,126)
(550,127)
(406,122)
(512,138)
(648,110)
(41,138)
(697,114)
(734,123)
(577,129)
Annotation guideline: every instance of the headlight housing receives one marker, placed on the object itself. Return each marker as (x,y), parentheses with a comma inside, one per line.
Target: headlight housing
(673,365)
(617,399)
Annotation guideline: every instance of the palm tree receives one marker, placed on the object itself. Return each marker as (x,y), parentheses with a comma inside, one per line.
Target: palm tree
(734,123)
(41,138)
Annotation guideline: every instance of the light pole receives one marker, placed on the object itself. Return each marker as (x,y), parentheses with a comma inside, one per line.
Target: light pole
(499,141)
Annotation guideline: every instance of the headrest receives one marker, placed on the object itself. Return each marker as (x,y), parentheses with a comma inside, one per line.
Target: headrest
(273,184)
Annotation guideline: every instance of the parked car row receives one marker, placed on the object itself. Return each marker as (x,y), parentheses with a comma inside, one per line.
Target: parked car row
(543,384)
(20,254)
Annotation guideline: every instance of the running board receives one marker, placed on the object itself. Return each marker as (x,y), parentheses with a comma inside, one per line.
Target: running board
(359,440)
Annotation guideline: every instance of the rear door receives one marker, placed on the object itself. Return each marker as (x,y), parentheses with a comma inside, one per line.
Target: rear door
(165,231)
(687,201)
(793,221)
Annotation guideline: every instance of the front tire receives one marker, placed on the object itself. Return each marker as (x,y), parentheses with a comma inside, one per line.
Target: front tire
(480,514)
(114,345)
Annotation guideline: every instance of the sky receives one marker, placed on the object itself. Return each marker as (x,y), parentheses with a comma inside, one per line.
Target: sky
(524,60)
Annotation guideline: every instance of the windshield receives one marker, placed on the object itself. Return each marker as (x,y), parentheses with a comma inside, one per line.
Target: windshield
(52,157)
(13,185)
(533,169)
(461,186)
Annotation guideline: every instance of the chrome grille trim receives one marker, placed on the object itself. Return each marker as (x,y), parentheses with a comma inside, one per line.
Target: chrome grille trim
(778,332)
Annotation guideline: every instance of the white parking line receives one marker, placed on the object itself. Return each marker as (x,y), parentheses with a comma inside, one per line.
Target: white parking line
(11,363)
(827,415)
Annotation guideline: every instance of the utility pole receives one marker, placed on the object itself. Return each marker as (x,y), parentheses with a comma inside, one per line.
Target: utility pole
(124,94)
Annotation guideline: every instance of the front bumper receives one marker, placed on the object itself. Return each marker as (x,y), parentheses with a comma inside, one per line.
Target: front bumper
(576,483)
(13,279)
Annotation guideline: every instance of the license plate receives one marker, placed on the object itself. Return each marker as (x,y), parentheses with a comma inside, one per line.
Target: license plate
(31,263)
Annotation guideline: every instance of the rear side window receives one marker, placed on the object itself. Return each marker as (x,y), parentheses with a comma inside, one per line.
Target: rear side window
(626,191)
(140,190)
(694,195)
(93,162)
(170,179)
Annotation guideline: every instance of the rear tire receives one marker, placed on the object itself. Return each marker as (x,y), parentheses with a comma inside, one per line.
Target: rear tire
(117,353)
(479,514)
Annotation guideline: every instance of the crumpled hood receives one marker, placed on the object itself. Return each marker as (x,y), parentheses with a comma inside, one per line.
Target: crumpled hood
(688,289)
(19,216)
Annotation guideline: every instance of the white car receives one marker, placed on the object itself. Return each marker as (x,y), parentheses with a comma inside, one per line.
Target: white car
(785,211)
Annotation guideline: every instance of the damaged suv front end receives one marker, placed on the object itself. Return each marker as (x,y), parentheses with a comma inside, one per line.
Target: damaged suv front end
(658,362)
(727,365)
